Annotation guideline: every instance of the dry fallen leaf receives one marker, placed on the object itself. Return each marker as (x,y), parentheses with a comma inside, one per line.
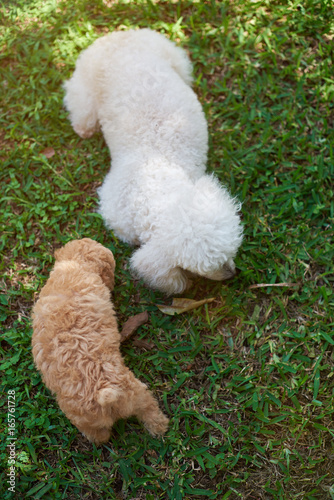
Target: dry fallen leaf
(142,344)
(132,324)
(48,152)
(181,305)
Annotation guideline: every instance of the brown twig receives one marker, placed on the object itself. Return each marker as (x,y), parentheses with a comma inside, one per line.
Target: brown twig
(262,285)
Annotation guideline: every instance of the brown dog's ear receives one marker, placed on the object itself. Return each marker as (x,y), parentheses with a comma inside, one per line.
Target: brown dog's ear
(70,251)
(58,254)
(101,259)
(107,268)
(92,255)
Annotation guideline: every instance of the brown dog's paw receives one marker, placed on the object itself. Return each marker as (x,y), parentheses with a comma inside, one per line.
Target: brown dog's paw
(158,425)
(97,436)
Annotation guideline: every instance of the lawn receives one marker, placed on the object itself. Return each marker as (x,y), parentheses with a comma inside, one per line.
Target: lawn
(247,379)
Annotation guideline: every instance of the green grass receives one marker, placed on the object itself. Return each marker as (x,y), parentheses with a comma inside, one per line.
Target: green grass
(248,380)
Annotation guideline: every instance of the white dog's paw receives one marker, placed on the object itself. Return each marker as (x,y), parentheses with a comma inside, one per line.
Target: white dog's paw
(83,132)
(148,263)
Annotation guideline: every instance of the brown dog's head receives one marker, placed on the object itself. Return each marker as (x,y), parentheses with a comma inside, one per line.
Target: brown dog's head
(91,255)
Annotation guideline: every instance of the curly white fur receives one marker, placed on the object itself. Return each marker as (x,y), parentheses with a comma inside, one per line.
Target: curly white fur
(135,85)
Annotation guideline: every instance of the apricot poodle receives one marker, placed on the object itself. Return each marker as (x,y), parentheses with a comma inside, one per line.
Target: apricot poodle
(76,345)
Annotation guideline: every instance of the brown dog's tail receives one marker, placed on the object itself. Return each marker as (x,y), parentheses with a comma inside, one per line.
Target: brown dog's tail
(107,396)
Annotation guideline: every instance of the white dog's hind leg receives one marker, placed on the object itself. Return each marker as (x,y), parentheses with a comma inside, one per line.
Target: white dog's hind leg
(167,50)
(180,62)
(80,103)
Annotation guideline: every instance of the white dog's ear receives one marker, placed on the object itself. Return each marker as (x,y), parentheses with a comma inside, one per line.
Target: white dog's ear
(150,264)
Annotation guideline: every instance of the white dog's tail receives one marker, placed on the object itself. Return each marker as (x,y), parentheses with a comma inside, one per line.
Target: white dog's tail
(107,396)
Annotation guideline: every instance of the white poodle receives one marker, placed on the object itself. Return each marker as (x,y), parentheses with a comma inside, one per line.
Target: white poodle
(135,85)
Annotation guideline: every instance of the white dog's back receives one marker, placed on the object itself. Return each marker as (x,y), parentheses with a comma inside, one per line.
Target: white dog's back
(135,85)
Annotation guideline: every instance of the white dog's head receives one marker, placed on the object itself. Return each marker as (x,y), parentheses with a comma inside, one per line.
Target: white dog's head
(202,235)
(214,233)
